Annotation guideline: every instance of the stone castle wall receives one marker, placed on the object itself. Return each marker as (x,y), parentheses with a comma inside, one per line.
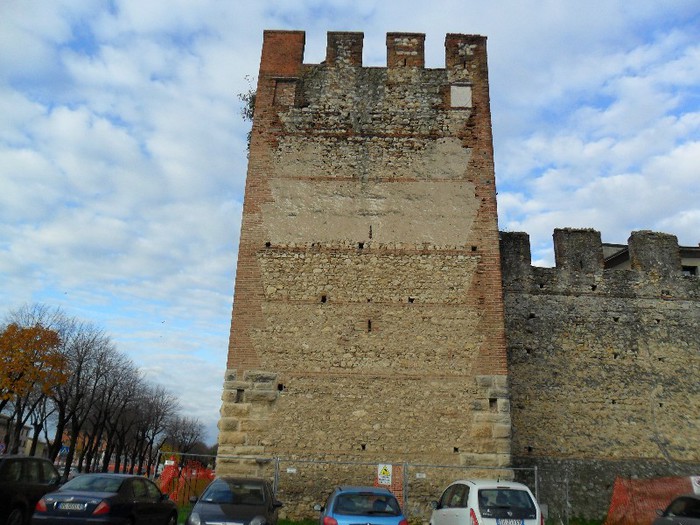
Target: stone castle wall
(604,365)
(367,321)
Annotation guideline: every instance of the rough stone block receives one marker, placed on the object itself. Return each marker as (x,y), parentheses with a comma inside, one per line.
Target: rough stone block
(229,424)
(231,438)
(259,376)
(237,410)
(252,396)
(501,431)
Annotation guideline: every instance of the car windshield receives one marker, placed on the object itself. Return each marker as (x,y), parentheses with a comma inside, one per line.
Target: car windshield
(234,493)
(93,484)
(366,503)
(505,502)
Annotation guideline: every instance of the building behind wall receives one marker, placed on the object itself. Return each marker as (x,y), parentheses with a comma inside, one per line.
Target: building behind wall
(367,320)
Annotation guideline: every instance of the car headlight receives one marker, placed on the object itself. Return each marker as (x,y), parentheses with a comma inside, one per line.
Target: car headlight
(258,520)
(194,519)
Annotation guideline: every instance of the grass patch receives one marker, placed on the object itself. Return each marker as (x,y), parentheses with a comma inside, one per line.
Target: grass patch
(183,512)
(300,522)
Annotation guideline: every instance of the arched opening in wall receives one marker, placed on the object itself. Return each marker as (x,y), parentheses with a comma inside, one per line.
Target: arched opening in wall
(363,446)
(239,395)
(360,245)
(369,325)
(493,404)
(411,299)
(324,298)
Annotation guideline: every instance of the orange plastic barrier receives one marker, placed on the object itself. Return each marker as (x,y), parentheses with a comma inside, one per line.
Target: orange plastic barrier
(182,483)
(635,501)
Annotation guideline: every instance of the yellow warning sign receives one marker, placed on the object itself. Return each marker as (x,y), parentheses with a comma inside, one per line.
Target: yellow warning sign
(384,474)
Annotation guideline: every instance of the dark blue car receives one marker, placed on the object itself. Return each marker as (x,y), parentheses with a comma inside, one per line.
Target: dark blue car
(119,499)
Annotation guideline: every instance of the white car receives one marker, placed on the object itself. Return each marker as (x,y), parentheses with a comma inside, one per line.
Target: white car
(486,502)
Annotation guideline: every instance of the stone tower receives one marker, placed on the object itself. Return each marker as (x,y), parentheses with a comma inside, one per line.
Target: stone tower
(368,310)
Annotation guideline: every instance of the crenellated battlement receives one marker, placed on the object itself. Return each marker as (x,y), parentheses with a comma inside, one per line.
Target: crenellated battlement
(285,80)
(283,51)
(650,261)
(344,49)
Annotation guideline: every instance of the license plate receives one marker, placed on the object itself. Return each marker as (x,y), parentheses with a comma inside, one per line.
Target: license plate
(71,506)
(500,521)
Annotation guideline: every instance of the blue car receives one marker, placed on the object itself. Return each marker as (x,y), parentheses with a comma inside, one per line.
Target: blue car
(366,505)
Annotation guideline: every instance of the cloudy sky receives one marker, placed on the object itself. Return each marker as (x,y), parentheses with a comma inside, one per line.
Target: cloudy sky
(123,158)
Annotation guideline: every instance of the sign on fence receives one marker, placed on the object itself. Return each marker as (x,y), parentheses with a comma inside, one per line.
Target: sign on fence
(384,474)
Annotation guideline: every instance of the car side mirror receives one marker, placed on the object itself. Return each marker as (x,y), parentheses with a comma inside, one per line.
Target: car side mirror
(194,499)
(659,512)
(318,508)
(277,504)
(434,505)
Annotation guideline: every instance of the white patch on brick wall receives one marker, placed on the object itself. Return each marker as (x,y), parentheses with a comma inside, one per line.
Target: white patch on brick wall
(439,213)
(461,96)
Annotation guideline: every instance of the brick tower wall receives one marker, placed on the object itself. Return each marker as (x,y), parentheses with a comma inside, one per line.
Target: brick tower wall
(368,310)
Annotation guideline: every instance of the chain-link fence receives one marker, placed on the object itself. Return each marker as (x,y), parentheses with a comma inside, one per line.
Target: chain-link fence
(302,483)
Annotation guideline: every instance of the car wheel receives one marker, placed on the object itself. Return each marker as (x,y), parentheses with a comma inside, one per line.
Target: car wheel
(16,517)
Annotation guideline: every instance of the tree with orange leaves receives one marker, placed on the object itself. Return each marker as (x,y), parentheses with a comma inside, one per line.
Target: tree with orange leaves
(31,365)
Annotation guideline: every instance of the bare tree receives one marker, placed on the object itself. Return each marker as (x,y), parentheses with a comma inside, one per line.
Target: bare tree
(184,433)
(88,351)
(160,406)
(120,370)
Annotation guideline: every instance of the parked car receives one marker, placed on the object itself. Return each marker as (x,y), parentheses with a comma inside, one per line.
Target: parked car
(106,498)
(366,505)
(486,502)
(23,481)
(684,510)
(243,501)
